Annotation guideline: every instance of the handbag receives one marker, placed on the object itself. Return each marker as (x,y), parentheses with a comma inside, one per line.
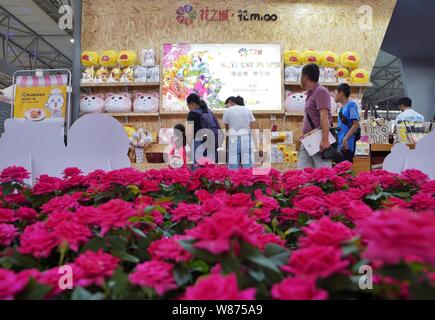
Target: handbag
(332,152)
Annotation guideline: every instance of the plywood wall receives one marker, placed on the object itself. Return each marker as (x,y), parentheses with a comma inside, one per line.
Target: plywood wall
(318,24)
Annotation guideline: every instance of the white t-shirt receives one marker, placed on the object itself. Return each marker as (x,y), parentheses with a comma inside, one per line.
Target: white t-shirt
(410,115)
(239,120)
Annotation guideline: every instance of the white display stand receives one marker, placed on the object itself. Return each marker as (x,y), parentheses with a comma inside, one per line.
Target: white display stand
(95,141)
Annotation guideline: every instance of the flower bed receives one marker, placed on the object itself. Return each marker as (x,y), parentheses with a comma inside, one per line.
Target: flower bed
(217,234)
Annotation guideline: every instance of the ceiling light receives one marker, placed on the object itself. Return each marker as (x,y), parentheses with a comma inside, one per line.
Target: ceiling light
(71,40)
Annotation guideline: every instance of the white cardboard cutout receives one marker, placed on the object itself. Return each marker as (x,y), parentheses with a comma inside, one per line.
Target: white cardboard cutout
(422,158)
(95,141)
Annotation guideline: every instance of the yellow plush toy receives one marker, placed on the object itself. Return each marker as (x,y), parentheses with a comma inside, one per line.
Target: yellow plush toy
(127,58)
(292,58)
(127,75)
(89,58)
(311,56)
(350,59)
(359,76)
(329,59)
(342,74)
(101,75)
(108,58)
(115,75)
(129,130)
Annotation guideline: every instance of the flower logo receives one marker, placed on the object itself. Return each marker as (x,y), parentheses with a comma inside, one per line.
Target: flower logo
(243,52)
(186,14)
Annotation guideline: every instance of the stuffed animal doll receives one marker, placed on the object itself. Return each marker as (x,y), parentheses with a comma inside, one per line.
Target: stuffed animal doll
(292,73)
(342,75)
(88,75)
(117,102)
(90,58)
(92,103)
(139,140)
(359,76)
(350,59)
(329,75)
(140,74)
(127,58)
(292,58)
(329,59)
(108,58)
(114,76)
(146,102)
(295,102)
(55,103)
(311,56)
(148,57)
(101,75)
(127,75)
(153,74)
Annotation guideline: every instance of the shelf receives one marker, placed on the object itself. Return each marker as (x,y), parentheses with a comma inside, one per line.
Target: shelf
(133,114)
(332,84)
(119,84)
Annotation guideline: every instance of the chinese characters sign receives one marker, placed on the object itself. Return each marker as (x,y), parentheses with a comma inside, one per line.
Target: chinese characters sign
(217,71)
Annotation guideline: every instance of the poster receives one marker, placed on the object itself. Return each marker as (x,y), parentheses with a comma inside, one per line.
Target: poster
(218,71)
(37,102)
(375,131)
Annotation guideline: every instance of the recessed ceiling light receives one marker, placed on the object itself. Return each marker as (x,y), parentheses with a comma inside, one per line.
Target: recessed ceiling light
(71,40)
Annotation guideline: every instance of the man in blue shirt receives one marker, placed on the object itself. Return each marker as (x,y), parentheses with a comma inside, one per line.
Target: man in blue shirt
(348,122)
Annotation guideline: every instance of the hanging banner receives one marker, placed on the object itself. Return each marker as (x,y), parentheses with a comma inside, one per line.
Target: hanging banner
(39,98)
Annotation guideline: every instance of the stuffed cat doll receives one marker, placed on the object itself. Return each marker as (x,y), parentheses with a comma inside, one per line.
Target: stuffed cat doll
(295,102)
(153,74)
(92,103)
(292,73)
(329,75)
(146,102)
(118,102)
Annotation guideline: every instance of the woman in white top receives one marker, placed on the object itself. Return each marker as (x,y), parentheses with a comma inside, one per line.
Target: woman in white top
(239,121)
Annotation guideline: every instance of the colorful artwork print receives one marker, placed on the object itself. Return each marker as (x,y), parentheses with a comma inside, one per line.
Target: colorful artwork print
(217,71)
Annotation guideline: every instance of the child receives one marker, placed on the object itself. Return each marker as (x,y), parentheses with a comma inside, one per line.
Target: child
(177,153)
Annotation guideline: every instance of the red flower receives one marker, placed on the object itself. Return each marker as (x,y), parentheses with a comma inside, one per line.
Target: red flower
(211,205)
(47,184)
(414,177)
(71,172)
(298,289)
(169,249)
(325,232)
(25,213)
(73,233)
(316,261)
(428,187)
(343,167)
(422,201)
(92,267)
(357,210)
(218,287)
(190,212)
(7,215)
(8,233)
(11,284)
(14,173)
(313,206)
(309,191)
(114,214)
(239,200)
(268,238)
(37,240)
(393,235)
(181,176)
(203,195)
(289,214)
(63,203)
(154,274)
(321,175)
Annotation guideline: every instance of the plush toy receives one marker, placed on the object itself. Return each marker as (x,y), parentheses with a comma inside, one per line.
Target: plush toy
(108,58)
(359,76)
(139,140)
(115,75)
(127,58)
(292,58)
(295,102)
(89,58)
(140,74)
(129,130)
(311,56)
(292,73)
(146,102)
(88,75)
(342,75)
(153,74)
(127,75)
(101,75)
(329,59)
(92,103)
(117,102)
(350,59)
(329,75)
(148,57)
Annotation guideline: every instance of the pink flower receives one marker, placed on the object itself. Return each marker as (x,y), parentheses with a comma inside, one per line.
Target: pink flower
(298,289)
(357,210)
(293,180)
(309,191)
(11,284)
(325,232)
(72,233)
(47,184)
(422,201)
(7,215)
(8,233)
(291,214)
(266,203)
(114,214)
(239,200)
(51,278)
(63,203)
(25,213)
(218,287)
(428,187)
(71,172)
(203,195)
(337,202)
(393,235)
(268,238)
(316,261)
(181,176)
(92,267)
(414,177)
(37,241)
(154,274)
(211,205)
(321,175)
(313,206)
(14,173)
(169,249)
(343,167)
(190,212)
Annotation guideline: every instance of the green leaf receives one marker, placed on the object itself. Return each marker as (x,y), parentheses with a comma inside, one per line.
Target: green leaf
(349,249)
(230,263)
(117,243)
(201,254)
(422,291)
(80,293)
(257,274)
(119,284)
(399,272)
(34,291)
(7,188)
(182,275)
(138,232)
(199,265)
(95,244)
(291,231)
(125,256)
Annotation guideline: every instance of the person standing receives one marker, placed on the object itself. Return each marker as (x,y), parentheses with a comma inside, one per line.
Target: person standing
(239,121)
(408,114)
(202,118)
(317,114)
(348,122)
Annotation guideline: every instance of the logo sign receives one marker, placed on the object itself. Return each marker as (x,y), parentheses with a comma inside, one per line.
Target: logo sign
(186,14)
(244,15)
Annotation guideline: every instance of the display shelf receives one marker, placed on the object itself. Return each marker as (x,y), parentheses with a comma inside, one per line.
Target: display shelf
(332,84)
(119,84)
(133,114)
